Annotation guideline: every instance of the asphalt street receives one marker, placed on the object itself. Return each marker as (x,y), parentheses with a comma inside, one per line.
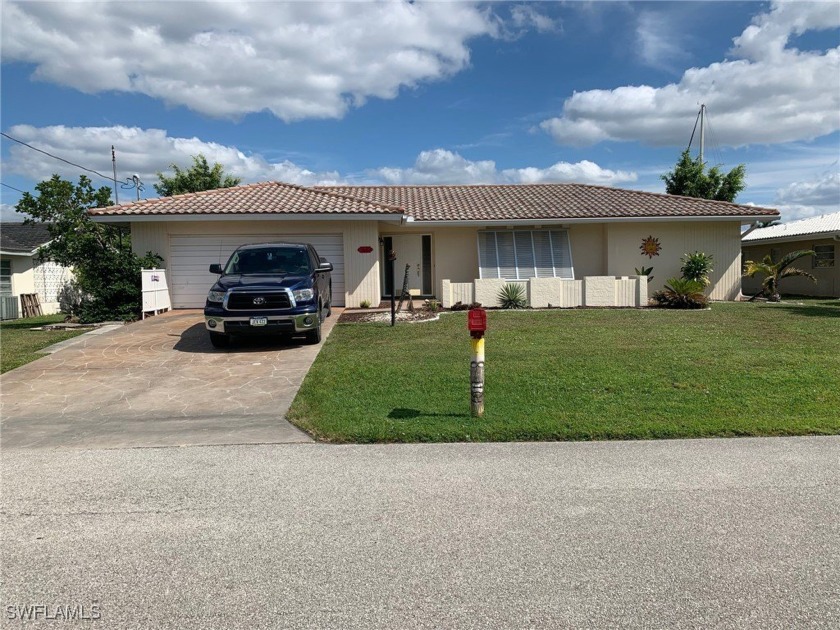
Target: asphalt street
(726,533)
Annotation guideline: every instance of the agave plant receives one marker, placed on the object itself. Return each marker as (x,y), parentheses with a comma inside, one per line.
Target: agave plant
(512,296)
(777,271)
(681,293)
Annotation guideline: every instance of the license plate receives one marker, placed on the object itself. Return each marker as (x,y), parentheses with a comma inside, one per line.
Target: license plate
(259,321)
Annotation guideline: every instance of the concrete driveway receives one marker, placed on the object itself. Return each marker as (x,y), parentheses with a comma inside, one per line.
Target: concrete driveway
(158,382)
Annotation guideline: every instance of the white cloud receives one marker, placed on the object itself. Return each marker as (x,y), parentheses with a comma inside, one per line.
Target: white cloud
(147,151)
(141,151)
(823,191)
(771,93)
(525,16)
(440,166)
(8,213)
(297,60)
(658,41)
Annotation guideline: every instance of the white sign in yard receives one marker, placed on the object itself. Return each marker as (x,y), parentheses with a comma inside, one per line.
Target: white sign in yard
(155,292)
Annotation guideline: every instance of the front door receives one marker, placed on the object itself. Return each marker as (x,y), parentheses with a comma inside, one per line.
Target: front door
(413,251)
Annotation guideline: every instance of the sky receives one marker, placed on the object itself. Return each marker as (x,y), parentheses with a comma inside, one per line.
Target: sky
(397,92)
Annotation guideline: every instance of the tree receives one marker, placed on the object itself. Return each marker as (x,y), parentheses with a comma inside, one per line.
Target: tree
(199,177)
(107,272)
(690,179)
(776,271)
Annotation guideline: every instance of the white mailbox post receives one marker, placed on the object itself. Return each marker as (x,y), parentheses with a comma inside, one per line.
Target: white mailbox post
(155,292)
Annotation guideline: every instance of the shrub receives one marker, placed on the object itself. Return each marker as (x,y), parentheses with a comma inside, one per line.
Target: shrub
(697,266)
(70,298)
(364,304)
(512,296)
(681,293)
(432,305)
(645,271)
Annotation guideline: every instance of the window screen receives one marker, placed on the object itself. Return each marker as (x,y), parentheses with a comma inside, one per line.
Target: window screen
(523,254)
(5,277)
(823,256)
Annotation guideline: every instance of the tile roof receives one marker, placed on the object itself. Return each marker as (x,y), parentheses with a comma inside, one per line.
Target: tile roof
(21,238)
(262,198)
(540,201)
(824,224)
(513,202)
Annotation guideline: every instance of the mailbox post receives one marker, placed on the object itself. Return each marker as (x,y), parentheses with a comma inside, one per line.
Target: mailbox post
(477,324)
(392,256)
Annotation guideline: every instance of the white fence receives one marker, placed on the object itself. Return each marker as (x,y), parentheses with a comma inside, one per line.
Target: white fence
(627,291)
(155,292)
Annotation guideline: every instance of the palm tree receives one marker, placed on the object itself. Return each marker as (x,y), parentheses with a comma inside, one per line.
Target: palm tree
(776,272)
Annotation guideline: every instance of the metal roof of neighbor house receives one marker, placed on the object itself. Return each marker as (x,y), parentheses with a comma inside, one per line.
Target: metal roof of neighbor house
(19,238)
(825,224)
(516,202)
(262,198)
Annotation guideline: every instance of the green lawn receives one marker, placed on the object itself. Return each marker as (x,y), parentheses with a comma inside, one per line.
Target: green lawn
(737,369)
(20,345)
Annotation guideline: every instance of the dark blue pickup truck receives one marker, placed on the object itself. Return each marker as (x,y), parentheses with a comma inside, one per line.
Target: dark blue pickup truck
(269,289)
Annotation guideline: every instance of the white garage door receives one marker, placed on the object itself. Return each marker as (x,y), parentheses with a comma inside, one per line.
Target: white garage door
(191,256)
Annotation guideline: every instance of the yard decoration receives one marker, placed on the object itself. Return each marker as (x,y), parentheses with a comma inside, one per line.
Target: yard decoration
(650,247)
(477,325)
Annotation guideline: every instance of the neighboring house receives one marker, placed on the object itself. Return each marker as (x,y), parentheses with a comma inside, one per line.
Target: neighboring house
(21,270)
(567,242)
(820,234)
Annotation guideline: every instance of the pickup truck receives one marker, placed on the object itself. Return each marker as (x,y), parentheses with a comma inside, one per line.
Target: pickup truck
(269,289)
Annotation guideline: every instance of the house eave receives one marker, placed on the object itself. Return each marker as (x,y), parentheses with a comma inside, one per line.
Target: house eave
(261,216)
(570,221)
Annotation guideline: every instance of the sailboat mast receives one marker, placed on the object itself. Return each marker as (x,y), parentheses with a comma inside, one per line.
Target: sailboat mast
(702,130)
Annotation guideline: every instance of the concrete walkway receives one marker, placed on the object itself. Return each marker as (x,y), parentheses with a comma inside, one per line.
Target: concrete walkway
(158,382)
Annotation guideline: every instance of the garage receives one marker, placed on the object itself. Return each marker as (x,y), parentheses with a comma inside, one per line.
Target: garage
(191,255)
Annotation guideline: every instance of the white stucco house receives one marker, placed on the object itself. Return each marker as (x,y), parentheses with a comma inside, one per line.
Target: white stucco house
(569,244)
(22,271)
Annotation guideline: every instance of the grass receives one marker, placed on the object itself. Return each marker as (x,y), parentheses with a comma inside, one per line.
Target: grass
(20,345)
(738,369)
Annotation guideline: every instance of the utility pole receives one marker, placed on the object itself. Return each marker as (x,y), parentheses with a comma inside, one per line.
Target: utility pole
(702,130)
(114,164)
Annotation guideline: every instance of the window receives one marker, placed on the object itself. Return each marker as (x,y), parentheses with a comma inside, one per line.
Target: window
(823,256)
(523,254)
(5,277)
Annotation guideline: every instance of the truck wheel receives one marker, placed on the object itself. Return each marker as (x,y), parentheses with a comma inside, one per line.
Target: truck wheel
(219,340)
(314,336)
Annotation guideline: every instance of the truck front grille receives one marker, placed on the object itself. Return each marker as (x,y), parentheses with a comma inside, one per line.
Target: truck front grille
(258,301)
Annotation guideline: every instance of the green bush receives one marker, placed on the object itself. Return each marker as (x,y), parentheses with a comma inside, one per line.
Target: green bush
(697,266)
(681,293)
(512,296)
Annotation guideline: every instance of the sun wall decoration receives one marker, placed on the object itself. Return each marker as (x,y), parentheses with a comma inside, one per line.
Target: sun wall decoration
(650,247)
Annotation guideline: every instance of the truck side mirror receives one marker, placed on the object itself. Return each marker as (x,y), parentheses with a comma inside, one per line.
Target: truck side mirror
(216,268)
(325,266)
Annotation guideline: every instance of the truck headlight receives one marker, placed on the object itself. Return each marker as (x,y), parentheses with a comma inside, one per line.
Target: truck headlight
(216,296)
(303,295)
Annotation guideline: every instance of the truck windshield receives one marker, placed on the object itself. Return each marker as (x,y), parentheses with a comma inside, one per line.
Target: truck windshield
(269,260)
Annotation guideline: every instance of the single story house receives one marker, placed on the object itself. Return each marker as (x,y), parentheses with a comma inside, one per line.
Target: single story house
(569,244)
(820,234)
(22,271)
